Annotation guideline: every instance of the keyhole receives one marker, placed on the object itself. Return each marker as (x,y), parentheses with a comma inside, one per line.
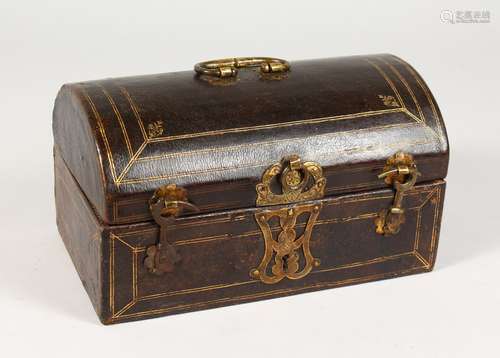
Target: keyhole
(285,262)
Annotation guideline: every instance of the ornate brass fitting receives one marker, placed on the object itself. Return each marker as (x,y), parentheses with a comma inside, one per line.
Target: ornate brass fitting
(300,181)
(401,172)
(287,246)
(167,203)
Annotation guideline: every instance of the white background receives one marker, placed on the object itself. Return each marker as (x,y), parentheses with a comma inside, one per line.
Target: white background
(451,312)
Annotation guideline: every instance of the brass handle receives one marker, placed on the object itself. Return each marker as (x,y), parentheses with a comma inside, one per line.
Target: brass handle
(228,67)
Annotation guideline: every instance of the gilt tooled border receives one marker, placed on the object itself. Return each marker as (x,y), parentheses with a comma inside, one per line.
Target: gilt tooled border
(426,264)
(120,179)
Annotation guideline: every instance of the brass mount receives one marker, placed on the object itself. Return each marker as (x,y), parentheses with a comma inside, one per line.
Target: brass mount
(168,202)
(299,181)
(401,173)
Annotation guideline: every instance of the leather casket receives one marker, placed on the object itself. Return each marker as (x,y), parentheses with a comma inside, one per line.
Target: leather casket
(247,179)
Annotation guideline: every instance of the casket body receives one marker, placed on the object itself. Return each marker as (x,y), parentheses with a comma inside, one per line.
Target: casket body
(264,184)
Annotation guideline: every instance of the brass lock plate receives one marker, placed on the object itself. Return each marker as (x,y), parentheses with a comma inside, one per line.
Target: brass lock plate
(300,181)
(283,253)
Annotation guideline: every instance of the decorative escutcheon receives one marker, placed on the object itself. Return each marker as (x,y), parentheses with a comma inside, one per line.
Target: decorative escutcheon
(284,252)
(400,172)
(288,255)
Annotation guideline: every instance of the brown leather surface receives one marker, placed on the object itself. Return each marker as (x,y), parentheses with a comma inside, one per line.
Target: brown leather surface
(219,250)
(218,137)
(80,231)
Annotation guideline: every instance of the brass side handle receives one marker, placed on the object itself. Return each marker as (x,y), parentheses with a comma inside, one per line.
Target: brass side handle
(228,67)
